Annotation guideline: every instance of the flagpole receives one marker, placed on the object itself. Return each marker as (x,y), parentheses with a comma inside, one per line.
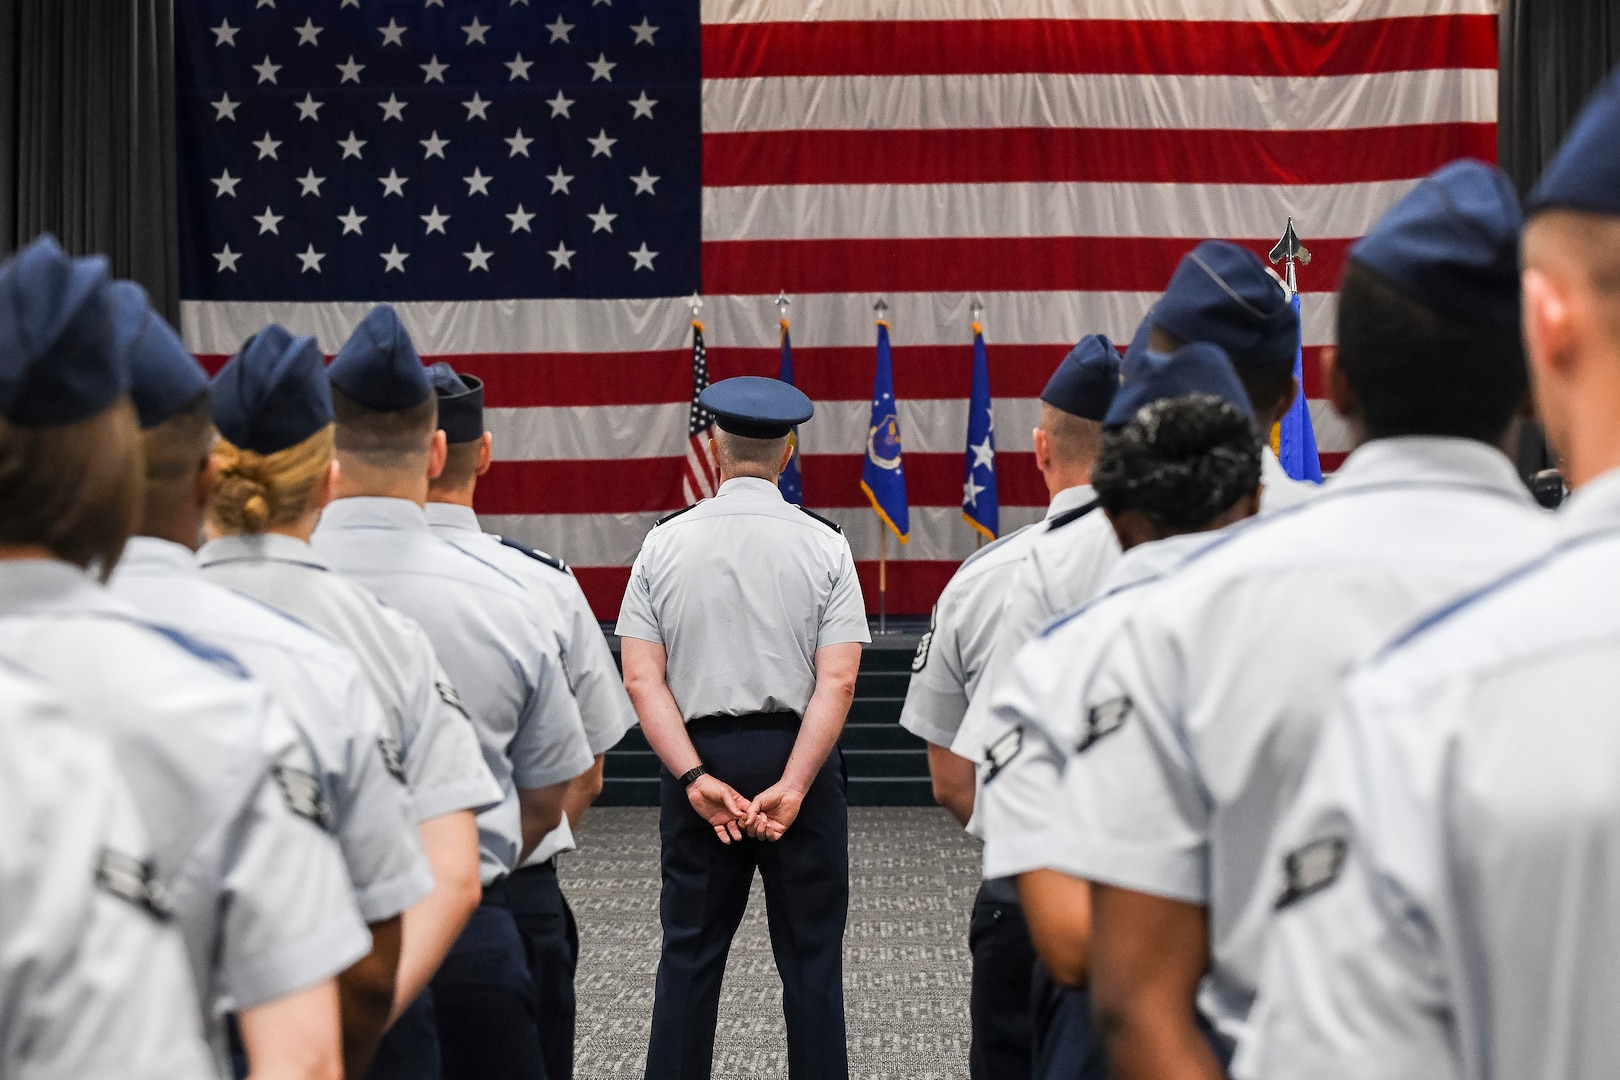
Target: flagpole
(883,579)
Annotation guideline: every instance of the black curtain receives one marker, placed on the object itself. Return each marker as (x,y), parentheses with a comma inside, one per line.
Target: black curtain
(1553,53)
(87,148)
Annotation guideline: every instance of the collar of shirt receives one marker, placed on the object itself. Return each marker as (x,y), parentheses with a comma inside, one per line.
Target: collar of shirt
(265,547)
(751,487)
(1594,507)
(1070,499)
(1152,559)
(150,555)
(451,516)
(41,585)
(374,512)
(1429,459)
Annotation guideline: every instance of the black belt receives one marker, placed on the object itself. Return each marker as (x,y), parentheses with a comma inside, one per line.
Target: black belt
(497,894)
(727,724)
(550,864)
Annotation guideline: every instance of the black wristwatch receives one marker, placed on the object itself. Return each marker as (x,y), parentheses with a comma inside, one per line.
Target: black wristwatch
(690,778)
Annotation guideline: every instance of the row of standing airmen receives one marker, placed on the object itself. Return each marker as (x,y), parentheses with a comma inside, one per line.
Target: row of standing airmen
(1319,783)
(276,799)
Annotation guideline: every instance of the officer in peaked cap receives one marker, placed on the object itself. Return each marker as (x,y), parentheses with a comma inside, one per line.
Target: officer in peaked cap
(1193,766)
(949,668)
(313,677)
(501,656)
(1471,769)
(261,895)
(742,628)
(273,408)
(542,912)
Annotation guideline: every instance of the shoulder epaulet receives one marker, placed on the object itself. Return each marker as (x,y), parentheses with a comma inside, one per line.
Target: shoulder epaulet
(672,517)
(1069,517)
(538,556)
(833,525)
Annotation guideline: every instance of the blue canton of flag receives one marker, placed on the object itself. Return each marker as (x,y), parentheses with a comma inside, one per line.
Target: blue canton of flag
(883,475)
(980,505)
(1296,438)
(464,150)
(792,480)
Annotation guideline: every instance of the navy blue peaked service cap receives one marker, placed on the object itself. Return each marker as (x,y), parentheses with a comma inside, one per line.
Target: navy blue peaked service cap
(461,403)
(273,393)
(1223,294)
(164,377)
(1584,174)
(1199,368)
(755,407)
(1452,244)
(379,366)
(57,360)
(1085,382)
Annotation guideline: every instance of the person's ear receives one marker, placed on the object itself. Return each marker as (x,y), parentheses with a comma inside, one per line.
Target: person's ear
(485,453)
(1549,323)
(207,481)
(438,449)
(1043,450)
(787,456)
(327,485)
(1341,395)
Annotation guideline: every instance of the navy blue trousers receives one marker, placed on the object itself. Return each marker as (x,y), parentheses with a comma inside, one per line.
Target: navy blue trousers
(410,1049)
(551,944)
(998,1002)
(485,1000)
(1067,1045)
(705,892)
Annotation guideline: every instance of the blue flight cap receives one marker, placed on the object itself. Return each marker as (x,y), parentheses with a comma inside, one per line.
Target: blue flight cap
(1585,172)
(461,403)
(57,360)
(1085,382)
(273,393)
(1452,244)
(1223,294)
(163,375)
(1199,368)
(755,407)
(379,367)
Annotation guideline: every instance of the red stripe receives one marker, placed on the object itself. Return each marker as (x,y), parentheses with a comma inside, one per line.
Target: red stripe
(635,485)
(957,264)
(1095,155)
(1098,46)
(913,586)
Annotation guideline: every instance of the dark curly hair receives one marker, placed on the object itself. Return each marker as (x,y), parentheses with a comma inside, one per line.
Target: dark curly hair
(1180,461)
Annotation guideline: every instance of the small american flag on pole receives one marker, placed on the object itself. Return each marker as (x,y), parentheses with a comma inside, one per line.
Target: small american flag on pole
(700,476)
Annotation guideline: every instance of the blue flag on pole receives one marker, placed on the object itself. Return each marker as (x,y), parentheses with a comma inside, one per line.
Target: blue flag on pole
(1296,438)
(980,505)
(792,480)
(883,476)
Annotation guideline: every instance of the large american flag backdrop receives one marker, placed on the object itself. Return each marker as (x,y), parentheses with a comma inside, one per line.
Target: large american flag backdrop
(539,185)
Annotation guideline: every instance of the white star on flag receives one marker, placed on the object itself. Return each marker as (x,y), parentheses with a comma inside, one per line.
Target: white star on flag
(393,183)
(352,222)
(310,183)
(351,145)
(644,183)
(225,108)
(559,30)
(393,108)
(394,259)
(227,259)
(984,454)
(560,105)
(433,71)
(561,257)
(520,219)
(309,108)
(477,258)
(308,33)
(518,143)
(477,183)
(435,221)
(393,33)
(267,147)
(560,181)
(602,221)
(225,34)
(519,68)
(267,70)
(268,220)
(602,146)
(644,258)
(350,71)
(225,184)
(477,107)
(601,68)
(643,106)
(311,259)
(475,31)
(433,146)
(644,32)
(970,493)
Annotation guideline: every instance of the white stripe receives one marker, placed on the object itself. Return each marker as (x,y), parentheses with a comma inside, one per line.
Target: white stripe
(884,211)
(572,433)
(1136,102)
(755,11)
(819,319)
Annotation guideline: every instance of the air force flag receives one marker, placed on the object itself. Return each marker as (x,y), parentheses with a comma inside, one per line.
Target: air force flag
(883,477)
(980,505)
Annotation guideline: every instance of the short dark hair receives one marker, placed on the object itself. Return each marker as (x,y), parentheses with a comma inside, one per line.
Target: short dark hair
(381,439)
(1180,461)
(460,466)
(175,447)
(1266,385)
(1418,371)
(74,489)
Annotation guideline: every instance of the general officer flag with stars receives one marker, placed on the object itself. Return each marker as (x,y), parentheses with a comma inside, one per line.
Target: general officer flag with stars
(1296,438)
(791,481)
(980,506)
(883,475)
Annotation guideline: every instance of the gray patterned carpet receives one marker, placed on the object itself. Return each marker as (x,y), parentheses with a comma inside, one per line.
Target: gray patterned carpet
(912,877)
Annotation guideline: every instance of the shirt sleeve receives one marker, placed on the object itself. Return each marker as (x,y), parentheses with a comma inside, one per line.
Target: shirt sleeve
(283,931)
(1020,617)
(936,696)
(1351,985)
(636,616)
(549,746)
(373,823)
(1134,813)
(844,619)
(598,687)
(444,763)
